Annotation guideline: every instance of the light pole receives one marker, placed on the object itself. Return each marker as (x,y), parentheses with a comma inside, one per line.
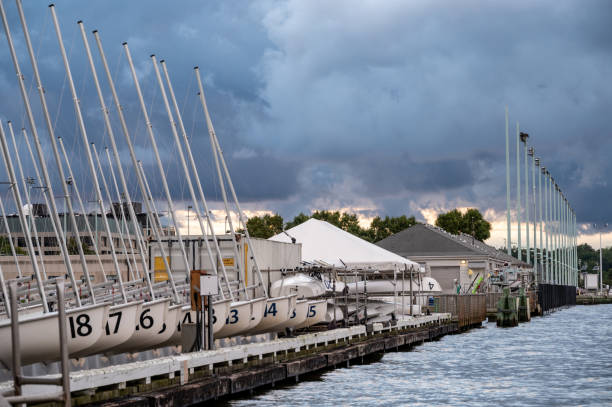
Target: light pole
(524,137)
(508,221)
(188,209)
(30,181)
(531,153)
(600,227)
(537,204)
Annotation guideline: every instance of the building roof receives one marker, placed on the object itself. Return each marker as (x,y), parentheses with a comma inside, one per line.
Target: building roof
(428,240)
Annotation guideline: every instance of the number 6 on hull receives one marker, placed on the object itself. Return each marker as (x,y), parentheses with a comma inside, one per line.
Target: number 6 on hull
(149,322)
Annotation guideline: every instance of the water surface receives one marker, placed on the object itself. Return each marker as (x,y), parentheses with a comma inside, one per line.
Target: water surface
(562,359)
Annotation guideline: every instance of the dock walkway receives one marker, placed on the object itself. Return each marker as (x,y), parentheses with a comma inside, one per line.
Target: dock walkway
(195,377)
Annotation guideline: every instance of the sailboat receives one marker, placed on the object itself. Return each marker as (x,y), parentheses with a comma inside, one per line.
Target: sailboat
(117,316)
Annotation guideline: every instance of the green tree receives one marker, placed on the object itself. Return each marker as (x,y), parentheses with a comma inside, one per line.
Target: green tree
(301,218)
(451,221)
(265,226)
(471,222)
(589,258)
(382,228)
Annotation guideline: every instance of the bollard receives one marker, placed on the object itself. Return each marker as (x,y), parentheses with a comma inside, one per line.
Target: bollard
(506,310)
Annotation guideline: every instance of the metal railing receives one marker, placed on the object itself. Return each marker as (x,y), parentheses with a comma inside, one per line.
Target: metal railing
(15,396)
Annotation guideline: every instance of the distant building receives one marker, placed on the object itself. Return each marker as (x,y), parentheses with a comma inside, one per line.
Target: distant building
(48,240)
(453,259)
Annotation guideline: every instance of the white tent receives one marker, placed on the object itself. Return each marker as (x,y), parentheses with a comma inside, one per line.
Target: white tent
(325,244)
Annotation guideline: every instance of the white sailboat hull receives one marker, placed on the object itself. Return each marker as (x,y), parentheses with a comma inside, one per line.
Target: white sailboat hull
(316,313)
(241,315)
(149,322)
(277,312)
(119,327)
(297,316)
(39,334)
(429,285)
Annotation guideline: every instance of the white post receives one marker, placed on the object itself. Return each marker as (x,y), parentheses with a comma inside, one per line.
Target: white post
(540,220)
(600,265)
(508,219)
(527,245)
(546,225)
(535,213)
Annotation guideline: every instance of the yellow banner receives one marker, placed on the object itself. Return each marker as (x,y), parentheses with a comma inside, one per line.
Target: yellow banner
(228,261)
(158,263)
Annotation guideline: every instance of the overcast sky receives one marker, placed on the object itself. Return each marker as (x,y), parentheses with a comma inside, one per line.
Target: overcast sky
(379,108)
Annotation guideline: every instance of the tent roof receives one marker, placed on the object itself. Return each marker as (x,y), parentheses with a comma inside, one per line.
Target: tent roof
(324,243)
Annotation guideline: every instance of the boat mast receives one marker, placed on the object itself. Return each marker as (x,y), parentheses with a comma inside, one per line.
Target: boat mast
(133,158)
(38,176)
(48,187)
(29,203)
(9,235)
(17,195)
(154,218)
(159,164)
(135,223)
(227,210)
(111,137)
(90,162)
(242,218)
(82,207)
(197,181)
(177,141)
(7,303)
(114,214)
(58,162)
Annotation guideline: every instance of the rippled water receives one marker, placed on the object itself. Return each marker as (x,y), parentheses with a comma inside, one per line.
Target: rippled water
(562,359)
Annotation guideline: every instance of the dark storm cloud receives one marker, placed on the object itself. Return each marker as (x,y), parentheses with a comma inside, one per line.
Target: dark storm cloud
(385,175)
(395,105)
